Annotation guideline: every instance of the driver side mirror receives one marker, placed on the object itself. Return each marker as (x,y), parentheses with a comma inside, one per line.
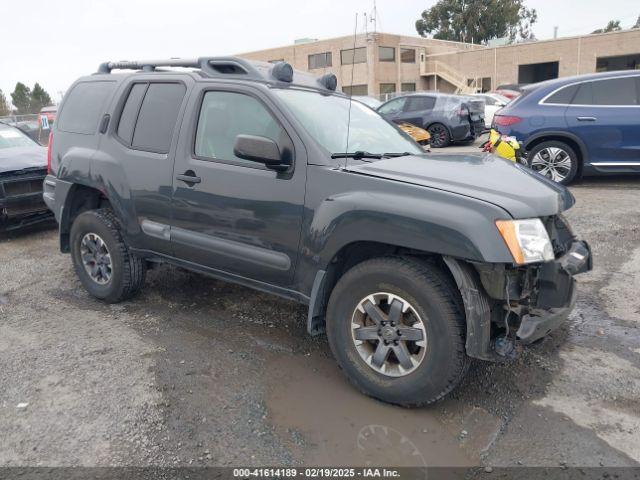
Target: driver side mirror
(259,149)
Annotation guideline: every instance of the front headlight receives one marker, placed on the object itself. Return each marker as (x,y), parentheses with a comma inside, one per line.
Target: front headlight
(527,240)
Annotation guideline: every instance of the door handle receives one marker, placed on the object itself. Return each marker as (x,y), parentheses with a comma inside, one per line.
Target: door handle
(587,119)
(189,177)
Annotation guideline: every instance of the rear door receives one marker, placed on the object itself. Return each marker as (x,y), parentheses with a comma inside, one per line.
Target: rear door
(237,216)
(605,115)
(142,144)
(417,110)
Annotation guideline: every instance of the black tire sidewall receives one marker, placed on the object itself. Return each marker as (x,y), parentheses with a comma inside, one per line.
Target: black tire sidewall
(557,144)
(434,373)
(90,222)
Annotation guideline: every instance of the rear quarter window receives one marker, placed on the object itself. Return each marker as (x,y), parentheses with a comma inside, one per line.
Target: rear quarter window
(84,106)
(563,96)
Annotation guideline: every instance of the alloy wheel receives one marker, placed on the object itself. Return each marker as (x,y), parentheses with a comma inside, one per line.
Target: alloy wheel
(439,135)
(552,162)
(96,258)
(388,334)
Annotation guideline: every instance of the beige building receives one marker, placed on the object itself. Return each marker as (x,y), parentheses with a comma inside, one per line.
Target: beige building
(383,63)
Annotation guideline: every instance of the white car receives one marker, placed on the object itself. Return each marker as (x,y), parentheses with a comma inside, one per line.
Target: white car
(493,103)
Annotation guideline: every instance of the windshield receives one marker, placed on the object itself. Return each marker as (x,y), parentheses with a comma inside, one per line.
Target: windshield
(325,117)
(12,137)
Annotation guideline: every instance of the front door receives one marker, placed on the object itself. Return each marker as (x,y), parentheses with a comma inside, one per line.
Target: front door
(234,215)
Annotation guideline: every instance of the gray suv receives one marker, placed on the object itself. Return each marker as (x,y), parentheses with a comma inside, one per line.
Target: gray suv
(253,173)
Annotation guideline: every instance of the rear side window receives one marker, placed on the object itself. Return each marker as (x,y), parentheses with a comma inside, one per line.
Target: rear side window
(157,117)
(615,91)
(84,106)
(420,103)
(130,112)
(563,96)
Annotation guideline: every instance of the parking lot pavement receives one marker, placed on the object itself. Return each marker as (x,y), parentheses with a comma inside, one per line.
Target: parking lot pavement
(197,371)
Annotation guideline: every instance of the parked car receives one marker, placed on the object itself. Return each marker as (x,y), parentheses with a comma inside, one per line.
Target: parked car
(256,174)
(492,103)
(23,166)
(447,118)
(511,91)
(584,125)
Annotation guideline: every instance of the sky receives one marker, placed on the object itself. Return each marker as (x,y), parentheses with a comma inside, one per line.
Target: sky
(54,42)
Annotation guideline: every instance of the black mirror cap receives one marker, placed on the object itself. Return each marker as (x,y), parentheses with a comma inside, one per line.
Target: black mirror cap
(258,149)
(328,81)
(283,72)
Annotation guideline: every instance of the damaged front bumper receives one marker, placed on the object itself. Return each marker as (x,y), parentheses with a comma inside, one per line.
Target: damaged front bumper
(510,306)
(21,201)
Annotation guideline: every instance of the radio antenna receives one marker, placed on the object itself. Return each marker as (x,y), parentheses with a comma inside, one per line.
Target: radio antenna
(353,62)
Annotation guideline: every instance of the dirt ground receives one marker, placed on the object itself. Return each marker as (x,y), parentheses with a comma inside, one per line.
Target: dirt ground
(199,372)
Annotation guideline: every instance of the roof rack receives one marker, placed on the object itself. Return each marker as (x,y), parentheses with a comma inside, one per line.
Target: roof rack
(228,67)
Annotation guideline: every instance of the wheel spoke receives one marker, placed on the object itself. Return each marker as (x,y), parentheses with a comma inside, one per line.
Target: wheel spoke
(375,313)
(411,334)
(395,311)
(380,355)
(564,164)
(403,355)
(366,333)
(554,152)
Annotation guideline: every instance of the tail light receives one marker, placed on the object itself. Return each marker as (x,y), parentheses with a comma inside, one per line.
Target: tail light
(506,120)
(49,148)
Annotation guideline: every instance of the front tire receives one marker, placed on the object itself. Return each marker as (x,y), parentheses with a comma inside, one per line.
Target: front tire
(555,160)
(101,258)
(411,358)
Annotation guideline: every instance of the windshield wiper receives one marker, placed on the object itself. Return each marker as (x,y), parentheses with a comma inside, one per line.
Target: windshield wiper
(356,155)
(396,154)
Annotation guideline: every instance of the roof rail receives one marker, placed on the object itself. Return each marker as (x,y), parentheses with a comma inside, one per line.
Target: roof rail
(228,67)
(213,66)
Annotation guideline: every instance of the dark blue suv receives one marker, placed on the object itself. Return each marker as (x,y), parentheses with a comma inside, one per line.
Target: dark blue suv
(583,125)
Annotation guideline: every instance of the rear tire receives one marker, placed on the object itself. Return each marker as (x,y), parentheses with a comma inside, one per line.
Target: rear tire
(555,160)
(101,258)
(440,136)
(431,298)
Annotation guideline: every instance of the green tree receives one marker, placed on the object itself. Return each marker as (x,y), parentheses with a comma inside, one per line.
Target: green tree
(21,98)
(39,98)
(612,26)
(5,108)
(477,21)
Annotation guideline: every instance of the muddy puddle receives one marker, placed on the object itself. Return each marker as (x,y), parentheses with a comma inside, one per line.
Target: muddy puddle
(327,422)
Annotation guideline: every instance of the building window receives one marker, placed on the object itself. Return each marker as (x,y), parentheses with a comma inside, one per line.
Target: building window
(386,54)
(347,57)
(320,60)
(408,87)
(407,55)
(387,88)
(277,61)
(356,90)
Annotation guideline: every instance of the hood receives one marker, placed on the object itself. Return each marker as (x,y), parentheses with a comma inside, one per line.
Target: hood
(19,158)
(518,190)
